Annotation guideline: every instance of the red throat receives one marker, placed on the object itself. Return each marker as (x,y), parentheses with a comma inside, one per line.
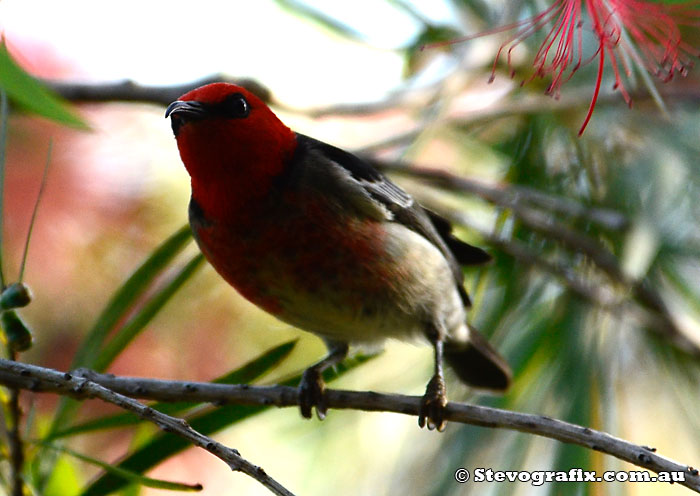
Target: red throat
(233,162)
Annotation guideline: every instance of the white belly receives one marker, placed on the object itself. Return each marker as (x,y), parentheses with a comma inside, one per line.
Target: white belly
(422,294)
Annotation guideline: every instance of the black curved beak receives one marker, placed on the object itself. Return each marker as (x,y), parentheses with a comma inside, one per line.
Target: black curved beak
(182,112)
(191,109)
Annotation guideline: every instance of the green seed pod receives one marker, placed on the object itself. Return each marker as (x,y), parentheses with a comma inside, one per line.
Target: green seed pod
(17,334)
(15,295)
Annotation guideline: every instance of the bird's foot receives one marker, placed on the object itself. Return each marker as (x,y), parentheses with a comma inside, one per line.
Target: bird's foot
(311,394)
(433,404)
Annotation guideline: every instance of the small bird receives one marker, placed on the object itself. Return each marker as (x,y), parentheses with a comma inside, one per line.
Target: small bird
(317,237)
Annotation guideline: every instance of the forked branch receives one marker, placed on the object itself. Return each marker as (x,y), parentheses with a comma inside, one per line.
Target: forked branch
(120,390)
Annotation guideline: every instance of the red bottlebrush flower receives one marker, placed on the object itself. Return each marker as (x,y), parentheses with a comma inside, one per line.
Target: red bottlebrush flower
(648,33)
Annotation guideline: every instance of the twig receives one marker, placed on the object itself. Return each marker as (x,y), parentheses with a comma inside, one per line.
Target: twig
(15,444)
(130,91)
(20,375)
(530,104)
(509,196)
(84,383)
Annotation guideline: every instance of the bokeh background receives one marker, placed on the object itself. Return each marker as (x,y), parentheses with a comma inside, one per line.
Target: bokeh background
(592,296)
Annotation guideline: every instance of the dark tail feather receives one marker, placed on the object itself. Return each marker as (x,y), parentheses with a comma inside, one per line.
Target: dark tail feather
(465,253)
(478,364)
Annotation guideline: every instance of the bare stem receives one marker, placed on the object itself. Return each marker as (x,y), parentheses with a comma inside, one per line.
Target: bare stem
(14,438)
(15,442)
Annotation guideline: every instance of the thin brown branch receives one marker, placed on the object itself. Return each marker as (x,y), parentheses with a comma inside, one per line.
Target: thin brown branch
(509,196)
(537,104)
(85,383)
(19,375)
(530,104)
(130,91)
(11,433)
(15,444)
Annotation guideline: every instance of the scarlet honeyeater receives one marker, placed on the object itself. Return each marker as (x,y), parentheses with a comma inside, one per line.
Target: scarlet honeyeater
(318,238)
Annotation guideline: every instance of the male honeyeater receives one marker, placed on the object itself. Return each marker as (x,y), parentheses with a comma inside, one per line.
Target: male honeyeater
(317,237)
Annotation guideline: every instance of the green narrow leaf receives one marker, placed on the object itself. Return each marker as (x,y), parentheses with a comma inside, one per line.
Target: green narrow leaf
(166,445)
(415,57)
(259,366)
(39,195)
(64,479)
(319,18)
(246,374)
(127,333)
(117,308)
(27,92)
(127,475)
(128,294)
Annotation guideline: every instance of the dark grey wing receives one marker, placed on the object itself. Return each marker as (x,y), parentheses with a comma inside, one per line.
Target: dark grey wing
(404,209)
(378,186)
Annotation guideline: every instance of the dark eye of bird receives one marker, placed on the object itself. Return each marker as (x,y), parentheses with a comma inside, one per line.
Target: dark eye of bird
(235,106)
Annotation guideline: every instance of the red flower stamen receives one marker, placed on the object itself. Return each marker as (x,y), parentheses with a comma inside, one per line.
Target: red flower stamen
(648,32)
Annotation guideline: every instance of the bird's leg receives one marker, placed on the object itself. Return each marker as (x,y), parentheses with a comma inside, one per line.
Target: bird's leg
(311,387)
(435,398)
